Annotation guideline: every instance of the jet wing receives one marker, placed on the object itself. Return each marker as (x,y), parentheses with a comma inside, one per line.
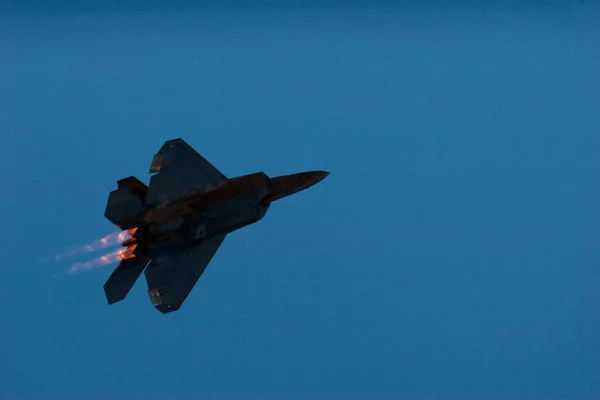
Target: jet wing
(180,168)
(171,277)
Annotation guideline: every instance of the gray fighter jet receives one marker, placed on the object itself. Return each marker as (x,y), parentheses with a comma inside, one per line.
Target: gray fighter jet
(179,220)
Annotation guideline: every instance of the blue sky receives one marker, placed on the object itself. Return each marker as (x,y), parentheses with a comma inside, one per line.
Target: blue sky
(451,254)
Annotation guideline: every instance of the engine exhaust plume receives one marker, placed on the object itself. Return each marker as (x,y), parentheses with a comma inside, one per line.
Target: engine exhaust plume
(98,244)
(128,253)
(109,258)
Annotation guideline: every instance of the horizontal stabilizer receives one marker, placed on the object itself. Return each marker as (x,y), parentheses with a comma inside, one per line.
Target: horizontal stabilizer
(123,205)
(134,185)
(123,278)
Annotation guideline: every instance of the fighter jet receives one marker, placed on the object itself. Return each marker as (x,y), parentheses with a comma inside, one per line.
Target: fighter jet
(179,220)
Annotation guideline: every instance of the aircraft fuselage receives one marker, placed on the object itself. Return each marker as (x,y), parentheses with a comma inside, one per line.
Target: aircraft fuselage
(200,215)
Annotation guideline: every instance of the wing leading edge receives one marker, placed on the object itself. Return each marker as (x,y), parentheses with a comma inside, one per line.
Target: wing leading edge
(171,277)
(180,168)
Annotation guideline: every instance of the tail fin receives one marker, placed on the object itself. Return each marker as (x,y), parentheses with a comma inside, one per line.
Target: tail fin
(125,203)
(123,278)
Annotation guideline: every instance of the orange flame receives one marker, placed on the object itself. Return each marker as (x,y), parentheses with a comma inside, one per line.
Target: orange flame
(128,253)
(106,241)
(109,258)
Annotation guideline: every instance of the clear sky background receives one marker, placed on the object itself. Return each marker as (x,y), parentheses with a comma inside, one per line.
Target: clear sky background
(451,254)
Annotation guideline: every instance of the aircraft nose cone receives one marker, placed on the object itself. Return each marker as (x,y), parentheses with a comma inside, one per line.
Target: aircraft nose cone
(286,185)
(304,180)
(320,175)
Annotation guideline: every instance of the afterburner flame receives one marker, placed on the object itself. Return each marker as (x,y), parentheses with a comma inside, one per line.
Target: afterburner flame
(114,256)
(107,241)
(131,232)
(127,253)
(109,258)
